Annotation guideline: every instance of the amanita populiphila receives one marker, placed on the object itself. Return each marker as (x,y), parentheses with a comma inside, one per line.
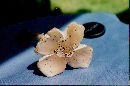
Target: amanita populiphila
(57,49)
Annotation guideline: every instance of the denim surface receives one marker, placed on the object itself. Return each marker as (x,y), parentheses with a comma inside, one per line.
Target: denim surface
(109,65)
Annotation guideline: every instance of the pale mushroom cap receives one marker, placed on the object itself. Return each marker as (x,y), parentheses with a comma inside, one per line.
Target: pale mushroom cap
(52,65)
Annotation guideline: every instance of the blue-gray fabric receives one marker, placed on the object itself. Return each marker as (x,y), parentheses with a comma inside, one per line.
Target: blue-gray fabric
(109,65)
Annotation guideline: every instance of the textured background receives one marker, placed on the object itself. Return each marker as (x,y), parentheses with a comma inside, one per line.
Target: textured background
(110,62)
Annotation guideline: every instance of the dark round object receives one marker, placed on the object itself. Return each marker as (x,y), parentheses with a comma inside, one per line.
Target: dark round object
(93,30)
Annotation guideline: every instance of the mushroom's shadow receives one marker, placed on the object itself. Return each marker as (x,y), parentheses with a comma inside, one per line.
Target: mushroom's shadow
(34,67)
